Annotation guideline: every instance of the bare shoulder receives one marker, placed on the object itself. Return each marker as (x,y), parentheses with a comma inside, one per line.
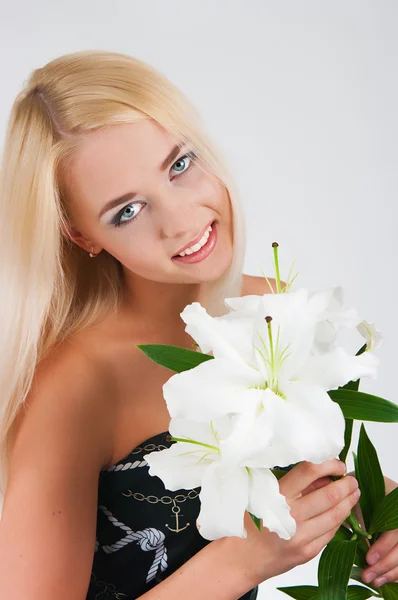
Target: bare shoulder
(70,388)
(251,284)
(60,442)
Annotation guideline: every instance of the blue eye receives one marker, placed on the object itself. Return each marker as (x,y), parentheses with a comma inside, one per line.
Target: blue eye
(183,161)
(129,213)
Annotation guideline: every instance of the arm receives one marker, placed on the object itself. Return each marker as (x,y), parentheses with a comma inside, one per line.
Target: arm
(47,531)
(48,526)
(225,569)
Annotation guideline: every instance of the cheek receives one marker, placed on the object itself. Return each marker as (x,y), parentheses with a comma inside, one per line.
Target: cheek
(137,250)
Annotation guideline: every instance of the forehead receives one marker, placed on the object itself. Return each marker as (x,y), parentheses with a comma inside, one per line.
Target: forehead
(109,161)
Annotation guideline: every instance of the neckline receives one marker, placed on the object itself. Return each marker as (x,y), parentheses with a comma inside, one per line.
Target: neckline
(143,443)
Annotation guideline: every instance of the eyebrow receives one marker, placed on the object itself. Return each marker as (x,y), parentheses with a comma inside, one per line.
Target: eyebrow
(130,195)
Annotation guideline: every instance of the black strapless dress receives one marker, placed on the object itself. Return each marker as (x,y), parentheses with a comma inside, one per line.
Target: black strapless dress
(144,532)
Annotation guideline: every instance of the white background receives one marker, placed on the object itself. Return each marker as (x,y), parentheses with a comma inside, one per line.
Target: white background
(302,96)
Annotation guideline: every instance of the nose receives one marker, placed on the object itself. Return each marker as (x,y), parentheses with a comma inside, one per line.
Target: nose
(176,218)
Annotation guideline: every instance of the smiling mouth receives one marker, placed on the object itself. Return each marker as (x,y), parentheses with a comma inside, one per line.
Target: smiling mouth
(196,246)
(206,244)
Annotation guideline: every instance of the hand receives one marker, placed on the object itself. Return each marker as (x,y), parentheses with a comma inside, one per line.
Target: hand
(319,507)
(383,555)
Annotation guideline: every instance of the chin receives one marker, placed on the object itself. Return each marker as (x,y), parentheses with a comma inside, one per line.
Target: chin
(209,271)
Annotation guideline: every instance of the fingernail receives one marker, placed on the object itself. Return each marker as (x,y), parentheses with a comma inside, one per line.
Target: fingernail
(373,558)
(380,581)
(369,577)
(357,493)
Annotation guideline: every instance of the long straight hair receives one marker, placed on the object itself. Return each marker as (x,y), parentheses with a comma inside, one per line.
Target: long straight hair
(49,287)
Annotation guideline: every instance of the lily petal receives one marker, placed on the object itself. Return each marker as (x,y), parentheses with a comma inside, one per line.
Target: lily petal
(213,388)
(177,467)
(372,335)
(224,337)
(333,316)
(337,367)
(208,433)
(267,503)
(308,425)
(293,330)
(250,436)
(224,498)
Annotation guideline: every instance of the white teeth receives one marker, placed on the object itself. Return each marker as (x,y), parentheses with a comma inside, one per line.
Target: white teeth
(199,245)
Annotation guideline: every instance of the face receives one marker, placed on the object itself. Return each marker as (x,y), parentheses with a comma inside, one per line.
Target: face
(130,195)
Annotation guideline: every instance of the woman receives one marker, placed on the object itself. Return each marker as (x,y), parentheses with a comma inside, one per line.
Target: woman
(116,212)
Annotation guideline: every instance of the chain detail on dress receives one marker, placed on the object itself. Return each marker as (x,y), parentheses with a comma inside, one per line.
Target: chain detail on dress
(178,499)
(108,588)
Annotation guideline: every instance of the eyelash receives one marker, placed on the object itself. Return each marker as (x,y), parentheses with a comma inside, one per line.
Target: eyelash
(117,222)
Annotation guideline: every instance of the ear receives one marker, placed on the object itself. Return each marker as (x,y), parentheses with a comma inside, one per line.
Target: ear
(75,236)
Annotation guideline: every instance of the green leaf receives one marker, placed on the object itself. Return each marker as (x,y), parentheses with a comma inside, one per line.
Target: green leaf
(365,407)
(360,556)
(385,517)
(356,575)
(343,533)
(279,473)
(334,569)
(358,592)
(361,351)
(372,486)
(347,439)
(390,591)
(256,521)
(358,476)
(300,592)
(173,357)
(353,386)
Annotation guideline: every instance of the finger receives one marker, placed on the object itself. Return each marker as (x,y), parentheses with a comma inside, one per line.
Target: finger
(382,546)
(318,483)
(305,473)
(324,499)
(317,544)
(385,567)
(326,524)
(389,577)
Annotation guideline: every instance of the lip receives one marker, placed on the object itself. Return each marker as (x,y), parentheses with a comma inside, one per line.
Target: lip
(203,253)
(195,241)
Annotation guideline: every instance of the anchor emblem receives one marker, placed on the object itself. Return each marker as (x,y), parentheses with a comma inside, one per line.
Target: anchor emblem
(176,511)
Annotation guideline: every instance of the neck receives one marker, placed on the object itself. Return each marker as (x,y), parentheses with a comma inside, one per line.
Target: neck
(158,305)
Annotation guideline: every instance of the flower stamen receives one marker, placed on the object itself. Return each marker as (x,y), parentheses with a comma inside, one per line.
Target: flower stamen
(190,441)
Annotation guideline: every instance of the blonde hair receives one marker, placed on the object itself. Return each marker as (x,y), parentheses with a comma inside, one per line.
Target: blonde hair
(49,286)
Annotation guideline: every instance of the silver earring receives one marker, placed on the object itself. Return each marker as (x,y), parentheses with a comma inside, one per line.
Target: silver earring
(91,254)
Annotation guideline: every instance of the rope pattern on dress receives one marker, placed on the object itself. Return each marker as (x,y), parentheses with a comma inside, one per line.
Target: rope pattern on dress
(149,539)
(129,465)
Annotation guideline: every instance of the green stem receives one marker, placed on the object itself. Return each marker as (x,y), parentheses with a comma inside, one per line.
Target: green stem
(189,441)
(352,520)
(277,274)
(355,526)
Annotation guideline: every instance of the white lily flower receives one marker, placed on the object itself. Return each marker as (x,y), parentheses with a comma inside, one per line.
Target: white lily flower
(228,486)
(372,335)
(268,369)
(328,304)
